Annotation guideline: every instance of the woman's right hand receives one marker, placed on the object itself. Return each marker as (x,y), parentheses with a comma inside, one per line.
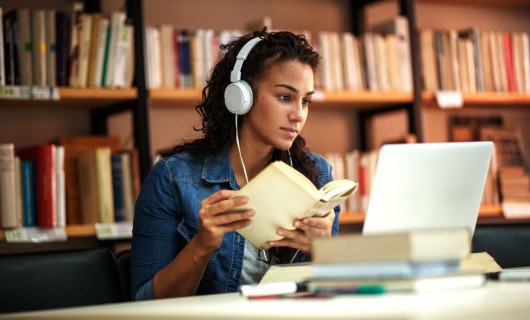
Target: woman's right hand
(216,219)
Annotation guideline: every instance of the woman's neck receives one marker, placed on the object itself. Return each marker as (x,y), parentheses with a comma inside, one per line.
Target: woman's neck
(256,158)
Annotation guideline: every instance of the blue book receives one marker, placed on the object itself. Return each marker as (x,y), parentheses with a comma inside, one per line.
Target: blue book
(383,270)
(117,187)
(28,193)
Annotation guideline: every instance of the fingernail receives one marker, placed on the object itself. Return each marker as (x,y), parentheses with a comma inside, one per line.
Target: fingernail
(296,224)
(250,213)
(280,232)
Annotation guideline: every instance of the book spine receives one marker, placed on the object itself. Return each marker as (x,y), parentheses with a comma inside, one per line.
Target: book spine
(51,48)
(28,195)
(11,49)
(38,38)
(2,55)
(61,29)
(118,187)
(104,185)
(8,205)
(60,186)
(25,47)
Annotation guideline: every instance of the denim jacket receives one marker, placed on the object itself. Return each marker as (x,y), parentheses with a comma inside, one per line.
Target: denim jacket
(166,219)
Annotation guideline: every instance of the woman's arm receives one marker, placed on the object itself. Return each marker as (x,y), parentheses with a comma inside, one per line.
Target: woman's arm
(183,275)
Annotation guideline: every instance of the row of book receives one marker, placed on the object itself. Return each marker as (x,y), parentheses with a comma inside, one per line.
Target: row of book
(378,61)
(473,60)
(361,166)
(73,48)
(68,183)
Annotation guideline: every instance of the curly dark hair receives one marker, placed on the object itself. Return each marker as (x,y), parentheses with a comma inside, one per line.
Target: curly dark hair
(218,124)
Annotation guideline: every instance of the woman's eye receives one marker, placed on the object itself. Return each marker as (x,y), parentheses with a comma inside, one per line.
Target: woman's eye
(306,102)
(285,97)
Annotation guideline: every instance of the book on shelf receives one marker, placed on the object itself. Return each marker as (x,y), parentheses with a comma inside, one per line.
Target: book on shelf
(73,147)
(45,182)
(414,246)
(28,193)
(8,197)
(280,194)
(2,55)
(95,186)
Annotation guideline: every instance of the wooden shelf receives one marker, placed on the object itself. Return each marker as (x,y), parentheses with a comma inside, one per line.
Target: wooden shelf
(498,3)
(78,97)
(487,214)
(484,99)
(353,100)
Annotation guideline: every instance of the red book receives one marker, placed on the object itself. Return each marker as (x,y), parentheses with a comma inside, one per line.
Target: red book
(43,158)
(508,54)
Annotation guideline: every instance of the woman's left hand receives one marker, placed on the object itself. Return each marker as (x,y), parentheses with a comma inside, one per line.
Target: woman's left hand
(306,230)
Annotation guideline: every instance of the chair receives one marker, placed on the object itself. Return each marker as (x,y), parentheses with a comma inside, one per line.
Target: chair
(37,281)
(507,244)
(123,258)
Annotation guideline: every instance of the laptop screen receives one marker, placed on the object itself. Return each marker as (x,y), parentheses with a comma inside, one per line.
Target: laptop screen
(428,185)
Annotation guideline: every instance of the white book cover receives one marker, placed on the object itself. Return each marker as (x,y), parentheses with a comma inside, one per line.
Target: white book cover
(470,52)
(157,59)
(18,192)
(453,54)
(117,21)
(526,60)
(2,56)
(371,65)
(8,206)
(391,56)
(383,78)
(84,49)
(122,57)
(517,62)
(51,44)
(336,62)
(128,192)
(100,55)
(495,63)
(60,190)
(463,70)
(167,53)
(325,52)
(502,61)
(348,59)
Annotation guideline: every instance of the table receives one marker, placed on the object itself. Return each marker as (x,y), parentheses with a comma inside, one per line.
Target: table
(496,300)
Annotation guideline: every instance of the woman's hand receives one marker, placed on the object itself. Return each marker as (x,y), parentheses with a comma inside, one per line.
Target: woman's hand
(306,230)
(216,219)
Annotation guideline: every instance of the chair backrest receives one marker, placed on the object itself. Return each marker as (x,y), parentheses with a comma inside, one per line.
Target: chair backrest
(507,244)
(37,281)
(123,258)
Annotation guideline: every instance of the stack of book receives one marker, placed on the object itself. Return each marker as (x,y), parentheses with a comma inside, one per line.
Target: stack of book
(415,261)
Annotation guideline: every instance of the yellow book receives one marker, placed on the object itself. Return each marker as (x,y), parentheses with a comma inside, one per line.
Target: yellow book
(280,194)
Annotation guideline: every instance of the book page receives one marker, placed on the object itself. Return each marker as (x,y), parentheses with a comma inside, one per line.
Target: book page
(481,262)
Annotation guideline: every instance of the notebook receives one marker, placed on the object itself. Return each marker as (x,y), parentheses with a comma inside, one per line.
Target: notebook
(428,186)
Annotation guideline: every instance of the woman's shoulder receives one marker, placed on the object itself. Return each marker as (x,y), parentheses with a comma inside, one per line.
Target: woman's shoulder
(321,164)
(180,163)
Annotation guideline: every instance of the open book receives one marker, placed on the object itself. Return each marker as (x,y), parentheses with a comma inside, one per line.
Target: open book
(280,194)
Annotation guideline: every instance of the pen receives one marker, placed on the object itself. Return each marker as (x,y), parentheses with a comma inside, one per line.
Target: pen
(272,289)
(363,289)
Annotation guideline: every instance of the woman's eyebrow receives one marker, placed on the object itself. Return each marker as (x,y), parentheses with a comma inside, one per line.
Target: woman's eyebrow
(291,88)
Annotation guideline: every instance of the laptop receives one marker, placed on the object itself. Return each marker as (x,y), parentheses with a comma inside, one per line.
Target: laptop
(428,186)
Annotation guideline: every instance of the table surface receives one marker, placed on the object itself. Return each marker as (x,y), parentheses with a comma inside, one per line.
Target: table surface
(496,300)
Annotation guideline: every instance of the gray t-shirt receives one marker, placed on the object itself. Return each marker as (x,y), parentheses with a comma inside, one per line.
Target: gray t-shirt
(253,268)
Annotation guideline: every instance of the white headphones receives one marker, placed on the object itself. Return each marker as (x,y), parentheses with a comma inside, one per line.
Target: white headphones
(238,94)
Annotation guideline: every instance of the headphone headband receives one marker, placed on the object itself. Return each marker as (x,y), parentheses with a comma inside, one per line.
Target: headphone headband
(235,75)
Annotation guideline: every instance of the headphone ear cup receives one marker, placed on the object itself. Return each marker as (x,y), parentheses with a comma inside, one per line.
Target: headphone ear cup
(238,97)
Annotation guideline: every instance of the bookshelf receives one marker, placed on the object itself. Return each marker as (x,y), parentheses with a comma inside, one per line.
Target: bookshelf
(141,102)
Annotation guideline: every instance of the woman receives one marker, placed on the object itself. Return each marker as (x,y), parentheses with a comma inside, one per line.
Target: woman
(185,238)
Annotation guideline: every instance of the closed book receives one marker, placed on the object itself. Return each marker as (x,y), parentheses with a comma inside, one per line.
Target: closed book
(459,280)
(51,48)
(95,185)
(2,55)
(280,194)
(38,39)
(25,46)
(11,42)
(382,269)
(43,158)
(61,49)
(118,187)
(415,246)
(8,207)
(28,193)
